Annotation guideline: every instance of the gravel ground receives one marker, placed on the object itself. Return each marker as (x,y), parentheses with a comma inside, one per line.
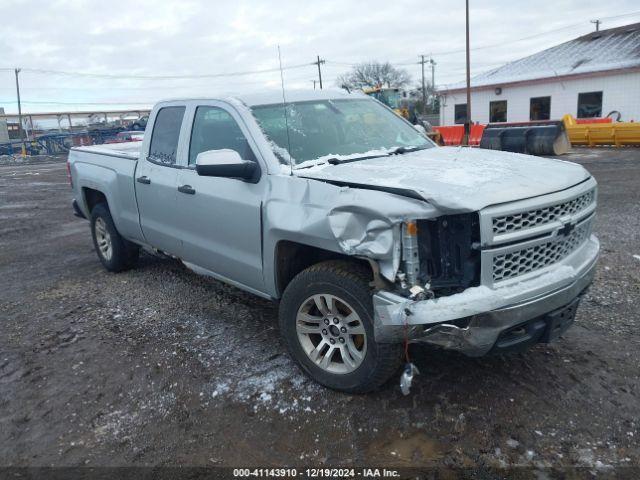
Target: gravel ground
(158,366)
(28,160)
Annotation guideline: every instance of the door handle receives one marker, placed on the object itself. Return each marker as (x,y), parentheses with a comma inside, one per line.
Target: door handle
(144,179)
(188,189)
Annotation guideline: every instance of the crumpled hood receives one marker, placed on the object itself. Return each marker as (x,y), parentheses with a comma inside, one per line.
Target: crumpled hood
(457,178)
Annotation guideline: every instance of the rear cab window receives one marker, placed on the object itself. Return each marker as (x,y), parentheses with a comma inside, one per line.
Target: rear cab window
(165,135)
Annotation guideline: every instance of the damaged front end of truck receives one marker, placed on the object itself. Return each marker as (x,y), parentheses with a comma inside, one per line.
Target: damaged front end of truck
(492,280)
(471,250)
(496,280)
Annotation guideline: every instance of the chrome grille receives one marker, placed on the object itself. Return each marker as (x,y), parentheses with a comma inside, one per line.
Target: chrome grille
(533,218)
(529,259)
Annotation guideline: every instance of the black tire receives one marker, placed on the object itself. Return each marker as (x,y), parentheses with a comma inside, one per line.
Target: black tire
(124,254)
(347,281)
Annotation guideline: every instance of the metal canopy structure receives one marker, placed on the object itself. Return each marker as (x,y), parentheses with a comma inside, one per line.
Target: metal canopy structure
(52,132)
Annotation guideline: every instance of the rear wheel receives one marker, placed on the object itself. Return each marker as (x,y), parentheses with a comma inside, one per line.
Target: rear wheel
(115,253)
(326,319)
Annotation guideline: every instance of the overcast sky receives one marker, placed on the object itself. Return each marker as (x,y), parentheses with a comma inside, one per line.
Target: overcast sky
(155,38)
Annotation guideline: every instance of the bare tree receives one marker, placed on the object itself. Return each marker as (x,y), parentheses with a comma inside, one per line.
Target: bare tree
(374,74)
(433,100)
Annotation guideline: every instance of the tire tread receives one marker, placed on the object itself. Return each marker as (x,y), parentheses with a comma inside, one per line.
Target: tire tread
(125,253)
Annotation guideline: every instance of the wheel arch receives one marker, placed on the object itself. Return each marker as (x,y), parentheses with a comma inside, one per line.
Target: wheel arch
(292,257)
(92,197)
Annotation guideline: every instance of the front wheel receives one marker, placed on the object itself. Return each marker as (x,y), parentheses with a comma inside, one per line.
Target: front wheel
(326,319)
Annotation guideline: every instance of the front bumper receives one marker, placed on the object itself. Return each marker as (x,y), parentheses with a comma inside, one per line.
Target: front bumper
(471,322)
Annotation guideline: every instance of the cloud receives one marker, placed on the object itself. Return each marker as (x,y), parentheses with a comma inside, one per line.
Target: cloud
(194,37)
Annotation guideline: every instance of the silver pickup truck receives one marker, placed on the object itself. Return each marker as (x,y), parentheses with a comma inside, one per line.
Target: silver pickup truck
(368,234)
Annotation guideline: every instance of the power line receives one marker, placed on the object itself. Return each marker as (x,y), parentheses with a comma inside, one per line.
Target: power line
(546,32)
(43,102)
(134,88)
(290,67)
(160,77)
(500,44)
(113,76)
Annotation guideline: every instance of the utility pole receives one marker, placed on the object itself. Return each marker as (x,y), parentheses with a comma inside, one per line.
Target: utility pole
(20,129)
(314,84)
(597,23)
(467,122)
(433,80)
(319,62)
(424,88)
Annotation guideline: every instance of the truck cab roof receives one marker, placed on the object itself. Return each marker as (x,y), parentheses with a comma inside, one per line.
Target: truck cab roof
(274,96)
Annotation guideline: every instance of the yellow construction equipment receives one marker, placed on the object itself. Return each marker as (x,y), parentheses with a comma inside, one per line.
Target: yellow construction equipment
(390,96)
(593,134)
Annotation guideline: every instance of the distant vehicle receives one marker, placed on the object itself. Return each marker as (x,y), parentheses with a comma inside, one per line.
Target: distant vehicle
(130,136)
(368,234)
(140,124)
(391,97)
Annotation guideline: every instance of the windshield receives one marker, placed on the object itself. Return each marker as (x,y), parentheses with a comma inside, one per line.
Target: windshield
(391,98)
(342,129)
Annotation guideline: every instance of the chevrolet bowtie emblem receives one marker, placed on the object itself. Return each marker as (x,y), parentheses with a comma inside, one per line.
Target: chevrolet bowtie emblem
(566,229)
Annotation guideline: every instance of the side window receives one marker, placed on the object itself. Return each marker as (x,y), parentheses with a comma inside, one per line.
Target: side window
(166,132)
(460,113)
(498,111)
(215,129)
(589,104)
(540,108)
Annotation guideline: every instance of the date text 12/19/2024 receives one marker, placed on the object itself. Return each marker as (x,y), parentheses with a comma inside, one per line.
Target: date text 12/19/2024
(315,473)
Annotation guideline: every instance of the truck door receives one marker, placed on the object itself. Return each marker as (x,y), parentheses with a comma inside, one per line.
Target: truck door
(220,217)
(156,180)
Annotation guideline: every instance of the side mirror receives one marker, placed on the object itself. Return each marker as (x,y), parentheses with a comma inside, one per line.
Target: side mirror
(224,163)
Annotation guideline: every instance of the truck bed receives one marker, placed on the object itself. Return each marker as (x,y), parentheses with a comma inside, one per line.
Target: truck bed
(129,150)
(109,169)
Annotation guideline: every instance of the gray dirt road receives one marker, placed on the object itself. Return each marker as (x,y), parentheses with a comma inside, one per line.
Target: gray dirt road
(158,366)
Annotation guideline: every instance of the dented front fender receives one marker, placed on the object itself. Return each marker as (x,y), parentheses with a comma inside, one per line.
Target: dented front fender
(351,221)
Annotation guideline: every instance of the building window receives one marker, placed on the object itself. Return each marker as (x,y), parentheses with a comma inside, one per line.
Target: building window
(589,104)
(498,111)
(540,108)
(460,113)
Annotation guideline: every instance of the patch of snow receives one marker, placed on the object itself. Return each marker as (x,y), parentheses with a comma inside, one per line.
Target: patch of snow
(476,300)
(457,178)
(585,456)
(273,383)
(120,424)
(602,466)
(265,397)
(285,169)
(271,97)
(321,162)
(605,50)
(221,388)
(512,443)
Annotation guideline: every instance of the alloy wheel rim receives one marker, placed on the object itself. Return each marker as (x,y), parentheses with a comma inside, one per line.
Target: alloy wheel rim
(103,239)
(331,333)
